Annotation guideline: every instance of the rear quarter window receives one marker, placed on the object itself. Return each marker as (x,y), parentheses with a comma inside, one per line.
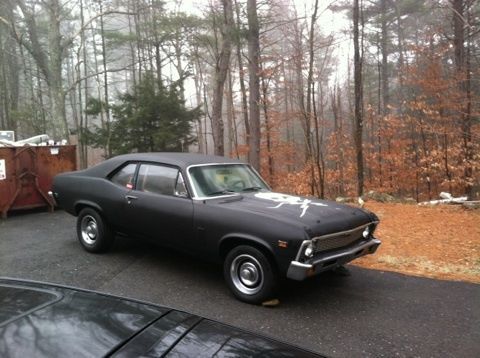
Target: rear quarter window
(18,301)
(124,177)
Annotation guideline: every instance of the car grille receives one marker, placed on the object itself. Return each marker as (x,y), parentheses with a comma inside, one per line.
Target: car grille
(336,241)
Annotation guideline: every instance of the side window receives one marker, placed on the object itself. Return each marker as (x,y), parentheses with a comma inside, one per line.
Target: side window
(157,179)
(124,176)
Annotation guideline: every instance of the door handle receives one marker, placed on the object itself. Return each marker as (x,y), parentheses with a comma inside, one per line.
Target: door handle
(130,198)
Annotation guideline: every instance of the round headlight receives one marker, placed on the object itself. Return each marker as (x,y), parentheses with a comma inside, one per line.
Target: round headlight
(309,251)
(366,232)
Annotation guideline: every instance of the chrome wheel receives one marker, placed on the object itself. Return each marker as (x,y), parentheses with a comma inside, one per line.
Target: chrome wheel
(247,274)
(93,233)
(89,229)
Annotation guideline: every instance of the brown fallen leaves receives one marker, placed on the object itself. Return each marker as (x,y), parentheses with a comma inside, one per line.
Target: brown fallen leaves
(441,242)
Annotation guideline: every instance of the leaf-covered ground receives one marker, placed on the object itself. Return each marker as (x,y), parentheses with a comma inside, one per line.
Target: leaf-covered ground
(440,242)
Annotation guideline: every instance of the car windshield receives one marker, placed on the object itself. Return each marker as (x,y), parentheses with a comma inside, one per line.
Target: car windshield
(221,179)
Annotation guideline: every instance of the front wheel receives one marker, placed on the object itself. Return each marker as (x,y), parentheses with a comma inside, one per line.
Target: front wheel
(93,232)
(249,274)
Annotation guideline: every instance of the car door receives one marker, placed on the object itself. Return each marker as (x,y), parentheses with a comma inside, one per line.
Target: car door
(113,196)
(159,206)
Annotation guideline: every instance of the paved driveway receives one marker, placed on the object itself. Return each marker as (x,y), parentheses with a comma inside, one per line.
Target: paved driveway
(369,314)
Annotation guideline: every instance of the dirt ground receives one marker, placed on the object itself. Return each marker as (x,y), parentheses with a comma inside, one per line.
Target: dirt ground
(441,242)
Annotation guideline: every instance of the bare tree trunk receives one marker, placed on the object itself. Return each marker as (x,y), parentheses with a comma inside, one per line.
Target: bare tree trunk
(10,79)
(286,118)
(232,143)
(83,113)
(229,112)
(132,49)
(99,92)
(138,34)
(158,55)
(198,95)
(105,84)
(383,95)
(254,83)
(71,74)
(221,70)
(268,128)
(308,113)
(384,42)
(234,133)
(241,76)
(338,123)
(464,85)
(43,115)
(55,68)
(48,60)
(380,116)
(77,107)
(358,118)
(178,57)
(4,97)
(298,63)
(413,136)
(318,153)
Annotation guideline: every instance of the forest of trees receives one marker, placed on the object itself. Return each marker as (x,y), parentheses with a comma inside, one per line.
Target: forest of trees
(325,98)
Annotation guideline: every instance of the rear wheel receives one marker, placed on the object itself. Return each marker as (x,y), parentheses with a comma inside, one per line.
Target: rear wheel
(93,232)
(249,274)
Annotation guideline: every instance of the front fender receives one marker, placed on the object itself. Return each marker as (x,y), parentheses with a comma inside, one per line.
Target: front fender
(240,238)
(281,257)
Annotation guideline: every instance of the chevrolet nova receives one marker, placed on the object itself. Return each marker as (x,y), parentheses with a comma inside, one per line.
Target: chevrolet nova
(219,209)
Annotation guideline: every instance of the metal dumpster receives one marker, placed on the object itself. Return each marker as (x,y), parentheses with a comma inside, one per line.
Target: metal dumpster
(26,175)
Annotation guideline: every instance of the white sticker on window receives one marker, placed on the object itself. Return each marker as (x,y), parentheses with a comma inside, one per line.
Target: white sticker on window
(3,170)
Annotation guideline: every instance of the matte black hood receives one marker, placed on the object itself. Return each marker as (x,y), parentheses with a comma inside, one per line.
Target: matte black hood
(319,217)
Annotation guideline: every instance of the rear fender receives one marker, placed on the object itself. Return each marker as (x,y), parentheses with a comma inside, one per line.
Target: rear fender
(80,204)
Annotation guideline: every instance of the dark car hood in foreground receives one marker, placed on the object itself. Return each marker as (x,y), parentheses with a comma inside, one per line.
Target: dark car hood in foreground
(320,217)
(43,320)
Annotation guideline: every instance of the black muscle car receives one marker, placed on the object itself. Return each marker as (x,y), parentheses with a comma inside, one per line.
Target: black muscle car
(45,320)
(219,209)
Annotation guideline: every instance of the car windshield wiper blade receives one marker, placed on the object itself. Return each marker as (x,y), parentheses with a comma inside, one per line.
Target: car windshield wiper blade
(220,192)
(252,188)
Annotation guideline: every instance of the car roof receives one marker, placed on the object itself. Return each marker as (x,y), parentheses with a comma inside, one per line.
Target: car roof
(182,160)
(68,321)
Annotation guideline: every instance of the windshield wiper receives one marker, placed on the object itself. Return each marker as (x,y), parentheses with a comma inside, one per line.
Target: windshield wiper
(252,188)
(220,192)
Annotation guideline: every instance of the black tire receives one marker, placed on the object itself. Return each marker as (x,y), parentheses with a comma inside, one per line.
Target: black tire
(250,275)
(93,232)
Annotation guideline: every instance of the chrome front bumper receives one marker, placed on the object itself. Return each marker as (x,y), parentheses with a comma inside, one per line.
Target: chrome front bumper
(324,262)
